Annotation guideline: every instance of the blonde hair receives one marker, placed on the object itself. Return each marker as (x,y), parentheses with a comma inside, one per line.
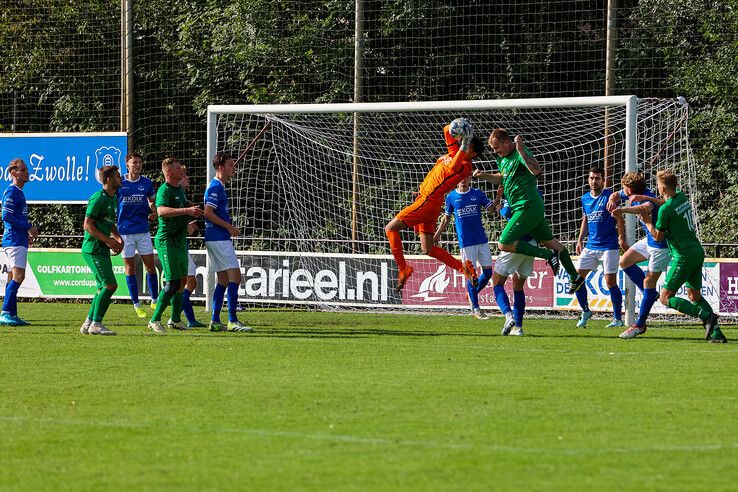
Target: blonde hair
(668,179)
(635,181)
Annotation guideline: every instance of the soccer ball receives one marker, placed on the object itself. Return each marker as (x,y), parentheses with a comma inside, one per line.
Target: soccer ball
(460,128)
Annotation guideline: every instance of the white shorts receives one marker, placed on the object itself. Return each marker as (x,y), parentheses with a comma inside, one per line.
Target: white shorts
(17,256)
(222,256)
(509,263)
(136,242)
(191,267)
(590,259)
(479,253)
(658,258)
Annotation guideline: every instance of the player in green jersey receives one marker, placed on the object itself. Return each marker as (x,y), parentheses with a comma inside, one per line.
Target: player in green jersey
(675,223)
(101,236)
(518,174)
(174,212)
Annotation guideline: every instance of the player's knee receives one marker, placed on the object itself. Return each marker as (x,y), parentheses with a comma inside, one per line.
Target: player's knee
(111,287)
(172,286)
(191,284)
(694,295)
(508,248)
(19,276)
(425,249)
(664,297)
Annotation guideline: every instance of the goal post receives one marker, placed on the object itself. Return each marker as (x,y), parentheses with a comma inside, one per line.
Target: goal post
(293,192)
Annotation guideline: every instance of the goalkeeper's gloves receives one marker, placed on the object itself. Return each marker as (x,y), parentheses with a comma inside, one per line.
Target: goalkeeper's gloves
(466,140)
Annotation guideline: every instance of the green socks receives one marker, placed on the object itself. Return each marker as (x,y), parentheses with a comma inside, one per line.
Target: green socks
(177,307)
(686,307)
(525,248)
(100,304)
(568,264)
(165,298)
(705,308)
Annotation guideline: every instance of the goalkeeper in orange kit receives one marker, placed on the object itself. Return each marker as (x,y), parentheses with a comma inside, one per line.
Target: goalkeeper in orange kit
(422,215)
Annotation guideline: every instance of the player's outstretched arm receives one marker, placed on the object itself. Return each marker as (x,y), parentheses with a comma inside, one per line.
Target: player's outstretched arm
(494,178)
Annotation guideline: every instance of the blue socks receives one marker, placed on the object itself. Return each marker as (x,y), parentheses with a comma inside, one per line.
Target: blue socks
(10,303)
(482,282)
(635,274)
(617,302)
(649,297)
(153,285)
(582,298)
(483,279)
(218,294)
(132,287)
(187,308)
(502,300)
(232,301)
(473,295)
(518,307)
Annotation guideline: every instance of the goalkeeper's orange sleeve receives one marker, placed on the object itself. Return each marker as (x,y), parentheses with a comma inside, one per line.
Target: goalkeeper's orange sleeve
(451,143)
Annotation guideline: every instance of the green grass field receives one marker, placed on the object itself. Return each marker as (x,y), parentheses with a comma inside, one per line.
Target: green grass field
(325,401)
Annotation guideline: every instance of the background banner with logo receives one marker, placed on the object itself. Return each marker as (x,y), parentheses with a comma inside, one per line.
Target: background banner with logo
(62,167)
(352,280)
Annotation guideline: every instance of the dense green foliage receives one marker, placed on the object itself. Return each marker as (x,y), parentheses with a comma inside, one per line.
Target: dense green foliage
(332,401)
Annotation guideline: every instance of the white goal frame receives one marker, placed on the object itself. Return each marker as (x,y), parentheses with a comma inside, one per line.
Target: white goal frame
(630,102)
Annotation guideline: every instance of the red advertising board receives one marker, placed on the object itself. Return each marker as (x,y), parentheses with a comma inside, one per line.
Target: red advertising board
(435,285)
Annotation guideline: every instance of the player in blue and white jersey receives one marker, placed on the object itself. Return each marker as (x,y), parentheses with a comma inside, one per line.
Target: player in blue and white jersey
(518,265)
(602,246)
(136,208)
(218,233)
(642,200)
(466,205)
(18,236)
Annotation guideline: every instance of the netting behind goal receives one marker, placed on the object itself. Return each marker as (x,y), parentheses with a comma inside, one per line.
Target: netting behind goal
(311,189)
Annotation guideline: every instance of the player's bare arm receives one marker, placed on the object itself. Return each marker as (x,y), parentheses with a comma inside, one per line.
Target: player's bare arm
(583,231)
(642,209)
(441,228)
(210,215)
(114,243)
(531,162)
(643,198)
(622,236)
(166,212)
(613,202)
(494,178)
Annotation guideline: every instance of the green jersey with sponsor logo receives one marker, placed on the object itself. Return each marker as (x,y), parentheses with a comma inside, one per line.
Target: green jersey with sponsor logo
(520,185)
(675,219)
(101,208)
(172,228)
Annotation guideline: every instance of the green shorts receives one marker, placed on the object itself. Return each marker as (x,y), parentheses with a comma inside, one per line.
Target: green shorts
(685,271)
(528,221)
(174,258)
(102,267)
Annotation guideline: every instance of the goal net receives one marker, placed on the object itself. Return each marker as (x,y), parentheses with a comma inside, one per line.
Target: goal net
(315,189)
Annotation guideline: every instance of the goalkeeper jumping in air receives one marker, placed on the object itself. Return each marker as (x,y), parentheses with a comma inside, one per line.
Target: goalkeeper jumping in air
(518,175)
(422,215)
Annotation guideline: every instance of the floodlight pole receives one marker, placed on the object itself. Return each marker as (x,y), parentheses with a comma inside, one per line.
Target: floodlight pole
(358,92)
